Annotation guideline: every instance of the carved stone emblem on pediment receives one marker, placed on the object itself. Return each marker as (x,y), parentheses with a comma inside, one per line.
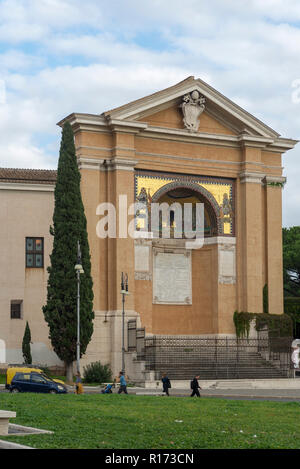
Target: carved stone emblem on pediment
(192,107)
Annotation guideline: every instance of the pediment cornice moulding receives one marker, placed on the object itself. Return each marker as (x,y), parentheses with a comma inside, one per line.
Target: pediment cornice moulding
(94,123)
(136,108)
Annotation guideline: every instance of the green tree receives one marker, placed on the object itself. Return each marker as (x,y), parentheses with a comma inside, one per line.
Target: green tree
(69,227)
(291,260)
(26,345)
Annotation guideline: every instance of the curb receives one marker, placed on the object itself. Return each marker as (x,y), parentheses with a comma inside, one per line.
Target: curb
(9,445)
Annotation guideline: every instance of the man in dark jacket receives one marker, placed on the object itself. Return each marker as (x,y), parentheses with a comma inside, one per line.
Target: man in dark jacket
(166,384)
(195,387)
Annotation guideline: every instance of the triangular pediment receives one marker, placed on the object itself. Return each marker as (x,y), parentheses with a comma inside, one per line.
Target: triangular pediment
(172,118)
(221,115)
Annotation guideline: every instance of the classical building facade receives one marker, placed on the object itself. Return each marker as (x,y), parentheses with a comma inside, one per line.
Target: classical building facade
(185,144)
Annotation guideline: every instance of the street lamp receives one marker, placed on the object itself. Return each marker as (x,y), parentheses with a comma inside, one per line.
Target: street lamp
(124,292)
(79,270)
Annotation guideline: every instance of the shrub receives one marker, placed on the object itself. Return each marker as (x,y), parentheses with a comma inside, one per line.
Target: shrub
(282,323)
(97,373)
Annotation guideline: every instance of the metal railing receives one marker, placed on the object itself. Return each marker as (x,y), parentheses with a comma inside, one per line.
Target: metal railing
(215,358)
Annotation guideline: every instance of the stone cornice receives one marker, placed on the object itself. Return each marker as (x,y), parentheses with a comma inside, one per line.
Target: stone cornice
(126,126)
(90,122)
(136,108)
(18,186)
(120,164)
(274,181)
(101,164)
(251,177)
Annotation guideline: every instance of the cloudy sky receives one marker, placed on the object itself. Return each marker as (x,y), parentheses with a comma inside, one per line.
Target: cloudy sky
(63,56)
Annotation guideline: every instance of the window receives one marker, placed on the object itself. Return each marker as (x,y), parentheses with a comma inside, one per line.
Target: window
(22,377)
(35,252)
(16,309)
(37,378)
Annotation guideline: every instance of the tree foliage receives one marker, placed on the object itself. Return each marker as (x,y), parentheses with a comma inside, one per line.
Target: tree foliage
(26,345)
(69,227)
(291,260)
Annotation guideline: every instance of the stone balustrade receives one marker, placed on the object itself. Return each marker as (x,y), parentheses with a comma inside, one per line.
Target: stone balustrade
(5,415)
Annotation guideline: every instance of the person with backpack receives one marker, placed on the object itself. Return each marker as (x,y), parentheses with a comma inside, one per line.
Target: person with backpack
(166,384)
(195,387)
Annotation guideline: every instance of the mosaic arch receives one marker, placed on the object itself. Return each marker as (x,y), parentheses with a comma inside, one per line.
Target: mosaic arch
(218,192)
(212,205)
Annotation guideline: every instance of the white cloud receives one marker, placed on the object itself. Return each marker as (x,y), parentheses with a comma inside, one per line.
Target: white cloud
(23,154)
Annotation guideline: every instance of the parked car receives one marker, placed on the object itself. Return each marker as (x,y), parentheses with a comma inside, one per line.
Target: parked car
(12,370)
(35,382)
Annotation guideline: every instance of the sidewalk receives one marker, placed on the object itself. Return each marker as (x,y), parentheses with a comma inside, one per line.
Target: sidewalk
(288,389)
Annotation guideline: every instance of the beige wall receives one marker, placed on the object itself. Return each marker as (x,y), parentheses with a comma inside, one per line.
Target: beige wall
(24,213)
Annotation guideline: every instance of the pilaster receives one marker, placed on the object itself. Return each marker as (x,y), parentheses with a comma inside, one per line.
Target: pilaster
(273,188)
(250,241)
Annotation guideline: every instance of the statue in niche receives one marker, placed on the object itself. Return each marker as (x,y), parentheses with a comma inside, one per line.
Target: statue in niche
(226,211)
(142,214)
(192,107)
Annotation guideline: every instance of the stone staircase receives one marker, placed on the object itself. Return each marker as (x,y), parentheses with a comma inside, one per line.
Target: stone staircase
(247,365)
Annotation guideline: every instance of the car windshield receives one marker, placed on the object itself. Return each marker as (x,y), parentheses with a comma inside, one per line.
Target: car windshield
(46,377)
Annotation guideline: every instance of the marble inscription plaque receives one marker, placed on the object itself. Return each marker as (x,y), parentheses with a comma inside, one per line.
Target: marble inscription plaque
(141,258)
(172,278)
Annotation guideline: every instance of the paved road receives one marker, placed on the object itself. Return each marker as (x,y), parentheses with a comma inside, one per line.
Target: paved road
(287,395)
(253,394)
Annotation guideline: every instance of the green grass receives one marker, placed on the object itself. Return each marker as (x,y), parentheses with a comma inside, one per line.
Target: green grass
(150,422)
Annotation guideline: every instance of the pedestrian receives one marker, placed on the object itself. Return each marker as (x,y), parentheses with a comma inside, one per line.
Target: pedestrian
(123,384)
(166,383)
(79,387)
(195,387)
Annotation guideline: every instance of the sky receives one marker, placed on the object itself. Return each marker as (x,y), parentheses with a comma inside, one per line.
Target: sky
(63,56)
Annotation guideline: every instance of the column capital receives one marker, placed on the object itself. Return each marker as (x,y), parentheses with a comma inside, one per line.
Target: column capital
(109,164)
(120,164)
(252,177)
(274,181)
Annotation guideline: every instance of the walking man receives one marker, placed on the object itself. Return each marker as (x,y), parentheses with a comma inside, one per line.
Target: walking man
(166,384)
(123,384)
(195,387)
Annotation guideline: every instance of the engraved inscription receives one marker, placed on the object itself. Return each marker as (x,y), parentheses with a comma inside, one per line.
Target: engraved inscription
(172,282)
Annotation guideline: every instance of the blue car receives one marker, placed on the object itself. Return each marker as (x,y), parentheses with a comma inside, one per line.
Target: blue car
(35,382)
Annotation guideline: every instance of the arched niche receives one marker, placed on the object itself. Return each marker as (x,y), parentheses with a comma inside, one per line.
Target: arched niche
(189,192)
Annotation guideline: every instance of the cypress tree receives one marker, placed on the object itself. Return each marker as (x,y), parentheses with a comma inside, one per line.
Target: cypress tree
(69,227)
(26,345)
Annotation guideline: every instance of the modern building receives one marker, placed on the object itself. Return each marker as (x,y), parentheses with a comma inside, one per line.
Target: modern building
(184,144)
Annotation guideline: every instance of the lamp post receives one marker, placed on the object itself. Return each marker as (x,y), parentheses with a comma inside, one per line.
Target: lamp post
(79,270)
(124,292)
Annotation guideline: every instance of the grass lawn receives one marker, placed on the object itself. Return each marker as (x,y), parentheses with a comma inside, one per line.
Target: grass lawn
(150,422)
